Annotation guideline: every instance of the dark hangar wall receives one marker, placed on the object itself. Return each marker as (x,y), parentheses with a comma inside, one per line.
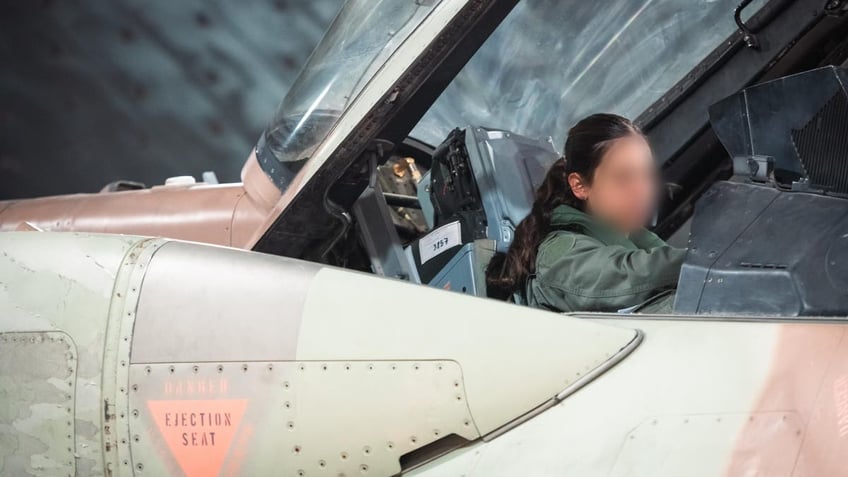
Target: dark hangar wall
(93,91)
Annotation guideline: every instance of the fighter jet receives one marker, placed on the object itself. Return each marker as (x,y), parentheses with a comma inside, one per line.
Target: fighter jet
(327,315)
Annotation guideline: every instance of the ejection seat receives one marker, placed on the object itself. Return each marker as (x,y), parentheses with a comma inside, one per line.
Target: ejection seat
(481,185)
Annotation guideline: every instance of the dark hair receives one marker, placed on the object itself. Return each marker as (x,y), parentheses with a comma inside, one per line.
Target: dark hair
(587,143)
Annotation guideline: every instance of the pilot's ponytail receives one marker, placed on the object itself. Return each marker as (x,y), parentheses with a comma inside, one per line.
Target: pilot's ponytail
(587,143)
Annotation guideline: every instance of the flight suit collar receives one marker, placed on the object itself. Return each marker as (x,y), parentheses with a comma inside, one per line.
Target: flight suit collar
(570,219)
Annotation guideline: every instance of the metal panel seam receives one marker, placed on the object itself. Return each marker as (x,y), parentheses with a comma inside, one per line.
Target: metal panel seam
(573,387)
(116,354)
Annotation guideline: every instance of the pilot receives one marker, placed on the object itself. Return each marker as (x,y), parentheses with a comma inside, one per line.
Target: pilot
(583,247)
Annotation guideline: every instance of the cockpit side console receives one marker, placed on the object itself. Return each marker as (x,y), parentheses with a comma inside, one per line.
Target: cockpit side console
(775,241)
(757,250)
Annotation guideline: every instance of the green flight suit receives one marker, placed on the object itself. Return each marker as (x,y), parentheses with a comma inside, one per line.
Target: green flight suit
(583,265)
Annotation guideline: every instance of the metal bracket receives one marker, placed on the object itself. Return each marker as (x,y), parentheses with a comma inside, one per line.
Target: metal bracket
(749,37)
(755,168)
(803,185)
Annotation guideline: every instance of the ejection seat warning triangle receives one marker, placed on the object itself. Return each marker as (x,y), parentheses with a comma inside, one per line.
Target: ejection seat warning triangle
(199,433)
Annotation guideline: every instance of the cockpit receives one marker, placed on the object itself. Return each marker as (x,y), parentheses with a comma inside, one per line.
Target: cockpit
(442,183)
(772,240)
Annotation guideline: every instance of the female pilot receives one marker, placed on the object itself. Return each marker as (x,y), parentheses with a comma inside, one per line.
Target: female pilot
(584,246)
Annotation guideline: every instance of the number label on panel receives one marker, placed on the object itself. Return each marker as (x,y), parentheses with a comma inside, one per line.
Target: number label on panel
(439,240)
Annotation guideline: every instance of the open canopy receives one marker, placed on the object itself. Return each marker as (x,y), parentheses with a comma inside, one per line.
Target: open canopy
(552,62)
(387,70)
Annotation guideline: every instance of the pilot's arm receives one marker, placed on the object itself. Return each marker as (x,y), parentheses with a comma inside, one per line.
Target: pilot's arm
(579,273)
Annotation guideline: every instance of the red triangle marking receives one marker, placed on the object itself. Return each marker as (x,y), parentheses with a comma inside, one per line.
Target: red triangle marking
(198,432)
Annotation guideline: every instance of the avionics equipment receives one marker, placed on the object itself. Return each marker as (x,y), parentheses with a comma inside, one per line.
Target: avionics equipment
(775,240)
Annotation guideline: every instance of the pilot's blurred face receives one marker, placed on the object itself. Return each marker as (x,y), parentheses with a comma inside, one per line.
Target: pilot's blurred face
(623,191)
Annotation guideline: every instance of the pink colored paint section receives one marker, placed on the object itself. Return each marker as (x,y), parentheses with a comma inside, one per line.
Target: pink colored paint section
(808,378)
